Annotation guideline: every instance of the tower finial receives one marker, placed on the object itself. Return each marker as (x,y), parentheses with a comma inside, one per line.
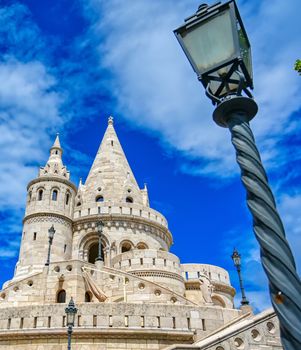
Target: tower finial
(56,143)
(110,120)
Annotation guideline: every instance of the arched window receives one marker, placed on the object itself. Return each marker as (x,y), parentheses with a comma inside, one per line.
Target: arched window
(88,297)
(54,195)
(61,296)
(99,199)
(67,198)
(142,245)
(40,195)
(218,301)
(126,246)
(129,200)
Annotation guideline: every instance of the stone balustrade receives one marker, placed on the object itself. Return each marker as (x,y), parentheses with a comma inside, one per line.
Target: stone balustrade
(214,273)
(127,209)
(117,315)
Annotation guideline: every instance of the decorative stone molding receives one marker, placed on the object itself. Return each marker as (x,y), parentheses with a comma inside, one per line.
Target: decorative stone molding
(48,217)
(157,273)
(132,222)
(224,288)
(52,178)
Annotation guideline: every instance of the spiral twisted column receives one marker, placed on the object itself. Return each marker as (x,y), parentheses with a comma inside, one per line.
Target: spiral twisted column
(277,259)
(276,256)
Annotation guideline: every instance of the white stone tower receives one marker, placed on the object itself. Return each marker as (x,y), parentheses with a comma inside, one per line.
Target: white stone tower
(50,201)
(132,293)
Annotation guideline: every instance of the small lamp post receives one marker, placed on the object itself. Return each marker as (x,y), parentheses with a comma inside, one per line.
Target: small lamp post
(216,45)
(99,226)
(51,233)
(71,311)
(236,257)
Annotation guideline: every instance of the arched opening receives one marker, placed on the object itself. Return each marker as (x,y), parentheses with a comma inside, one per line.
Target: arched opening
(93,253)
(67,198)
(61,296)
(125,247)
(218,301)
(54,195)
(40,195)
(129,200)
(99,199)
(88,297)
(142,245)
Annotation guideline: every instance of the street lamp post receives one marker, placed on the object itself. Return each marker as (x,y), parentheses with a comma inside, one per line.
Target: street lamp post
(216,44)
(236,257)
(99,226)
(71,311)
(51,233)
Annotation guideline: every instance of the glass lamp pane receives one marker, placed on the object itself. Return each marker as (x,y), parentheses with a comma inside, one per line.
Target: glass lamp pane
(237,261)
(210,43)
(245,51)
(229,87)
(70,318)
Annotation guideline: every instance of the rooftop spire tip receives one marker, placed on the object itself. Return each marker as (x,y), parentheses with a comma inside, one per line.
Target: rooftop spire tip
(110,120)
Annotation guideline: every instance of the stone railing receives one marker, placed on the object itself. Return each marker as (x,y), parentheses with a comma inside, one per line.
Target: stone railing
(122,209)
(145,259)
(214,273)
(115,315)
(259,332)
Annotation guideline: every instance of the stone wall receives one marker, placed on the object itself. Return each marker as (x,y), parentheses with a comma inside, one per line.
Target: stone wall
(157,325)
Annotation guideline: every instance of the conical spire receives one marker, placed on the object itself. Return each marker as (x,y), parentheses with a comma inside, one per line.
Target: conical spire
(57,143)
(54,165)
(110,176)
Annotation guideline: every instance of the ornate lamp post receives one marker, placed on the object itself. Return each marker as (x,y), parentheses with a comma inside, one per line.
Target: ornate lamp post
(216,45)
(236,257)
(51,233)
(71,311)
(99,226)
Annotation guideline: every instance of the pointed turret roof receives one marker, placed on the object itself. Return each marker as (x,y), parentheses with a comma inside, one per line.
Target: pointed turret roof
(110,175)
(57,143)
(54,165)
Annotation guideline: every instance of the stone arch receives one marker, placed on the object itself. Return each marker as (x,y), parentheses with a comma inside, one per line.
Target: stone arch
(88,297)
(141,245)
(88,241)
(61,296)
(217,300)
(54,193)
(40,193)
(99,198)
(126,245)
(68,197)
(129,199)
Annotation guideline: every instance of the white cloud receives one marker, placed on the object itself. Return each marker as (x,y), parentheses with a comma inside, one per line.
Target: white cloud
(155,87)
(29,109)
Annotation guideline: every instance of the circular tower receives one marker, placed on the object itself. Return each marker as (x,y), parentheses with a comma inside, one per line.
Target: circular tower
(50,201)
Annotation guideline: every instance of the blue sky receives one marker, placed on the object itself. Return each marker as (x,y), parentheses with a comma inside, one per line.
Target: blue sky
(66,66)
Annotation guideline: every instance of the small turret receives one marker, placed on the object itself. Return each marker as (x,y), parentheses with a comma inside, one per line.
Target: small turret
(54,165)
(50,202)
